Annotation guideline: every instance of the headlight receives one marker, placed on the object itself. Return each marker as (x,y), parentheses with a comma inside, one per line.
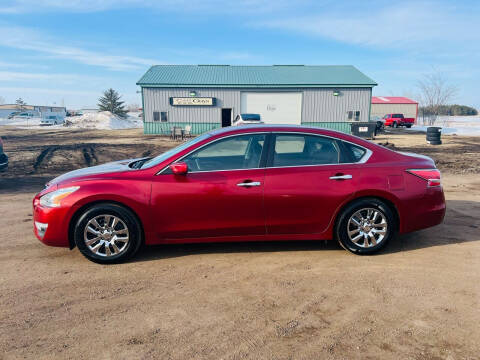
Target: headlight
(53,199)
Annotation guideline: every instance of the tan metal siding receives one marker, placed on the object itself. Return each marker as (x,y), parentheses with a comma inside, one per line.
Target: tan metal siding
(319,105)
(408,110)
(158,99)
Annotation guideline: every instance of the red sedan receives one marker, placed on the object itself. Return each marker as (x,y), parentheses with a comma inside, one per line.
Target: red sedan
(248,183)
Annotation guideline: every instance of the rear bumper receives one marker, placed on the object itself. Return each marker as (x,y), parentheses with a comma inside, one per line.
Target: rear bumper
(425,212)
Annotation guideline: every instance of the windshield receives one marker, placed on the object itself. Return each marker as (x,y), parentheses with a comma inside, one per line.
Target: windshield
(162,157)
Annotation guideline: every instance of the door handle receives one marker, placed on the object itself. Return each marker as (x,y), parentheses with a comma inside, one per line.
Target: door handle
(341,177)
(250,183)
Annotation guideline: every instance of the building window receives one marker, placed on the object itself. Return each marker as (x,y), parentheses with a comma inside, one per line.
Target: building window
(163,115)
(353,115)
(156,116)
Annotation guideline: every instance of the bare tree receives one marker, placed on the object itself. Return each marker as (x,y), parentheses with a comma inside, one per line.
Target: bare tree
(435,92)
(133,107)
(20,104)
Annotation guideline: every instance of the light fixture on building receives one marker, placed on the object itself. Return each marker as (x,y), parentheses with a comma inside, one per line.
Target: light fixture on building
(193,93)
(336,93)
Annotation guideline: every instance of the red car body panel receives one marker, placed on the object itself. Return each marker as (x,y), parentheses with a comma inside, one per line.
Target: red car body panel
(292,203)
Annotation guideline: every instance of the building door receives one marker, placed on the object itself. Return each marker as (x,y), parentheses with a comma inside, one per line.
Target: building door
(273,107)
(226,117)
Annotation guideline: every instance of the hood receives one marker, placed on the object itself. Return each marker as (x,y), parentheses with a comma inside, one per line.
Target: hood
(111,167)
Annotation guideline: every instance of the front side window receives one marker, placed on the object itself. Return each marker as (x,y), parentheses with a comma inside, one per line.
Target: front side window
(298,150)
(233,153)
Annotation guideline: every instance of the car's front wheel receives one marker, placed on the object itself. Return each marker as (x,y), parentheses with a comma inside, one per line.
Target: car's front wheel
(365,226)
(107,233)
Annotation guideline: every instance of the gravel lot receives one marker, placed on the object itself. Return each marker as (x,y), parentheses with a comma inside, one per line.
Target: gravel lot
(417,299)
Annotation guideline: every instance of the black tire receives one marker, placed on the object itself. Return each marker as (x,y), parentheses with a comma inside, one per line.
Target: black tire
(127,218)
(342,226)
(395,125)
(408,126)
(433,130)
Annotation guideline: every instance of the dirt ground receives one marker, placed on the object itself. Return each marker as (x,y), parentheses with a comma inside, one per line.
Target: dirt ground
(417,299)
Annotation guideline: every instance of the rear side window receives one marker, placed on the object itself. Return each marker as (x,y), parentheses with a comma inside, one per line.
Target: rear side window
(299,150)
(353,153)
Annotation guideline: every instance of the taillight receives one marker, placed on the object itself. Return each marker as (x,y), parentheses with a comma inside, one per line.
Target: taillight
(432,176)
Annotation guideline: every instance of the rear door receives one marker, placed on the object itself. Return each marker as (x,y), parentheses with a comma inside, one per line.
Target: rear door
(307,178)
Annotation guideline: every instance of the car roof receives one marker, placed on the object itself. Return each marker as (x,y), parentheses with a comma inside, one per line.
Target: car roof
(248,128)
(273,128)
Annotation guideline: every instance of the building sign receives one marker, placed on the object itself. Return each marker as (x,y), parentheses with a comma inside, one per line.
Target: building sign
(192,101)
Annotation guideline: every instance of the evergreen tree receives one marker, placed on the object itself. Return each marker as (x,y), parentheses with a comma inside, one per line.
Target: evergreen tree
(110,101)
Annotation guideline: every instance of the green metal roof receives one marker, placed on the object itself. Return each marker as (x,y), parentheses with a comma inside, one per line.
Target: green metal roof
(285,76)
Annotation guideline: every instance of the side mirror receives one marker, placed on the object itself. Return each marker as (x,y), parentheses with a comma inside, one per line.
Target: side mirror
(179,168)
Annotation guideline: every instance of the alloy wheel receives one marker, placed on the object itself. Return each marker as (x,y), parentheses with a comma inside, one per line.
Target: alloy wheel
(106,235)
(367,227)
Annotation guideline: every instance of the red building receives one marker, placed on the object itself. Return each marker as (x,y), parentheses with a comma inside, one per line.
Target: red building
(382,105)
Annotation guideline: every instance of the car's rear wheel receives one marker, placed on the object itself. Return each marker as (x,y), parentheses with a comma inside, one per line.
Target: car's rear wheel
(365,226)
(108,233)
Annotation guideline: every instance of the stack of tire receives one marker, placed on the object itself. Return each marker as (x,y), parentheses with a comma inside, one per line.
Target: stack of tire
(434,135)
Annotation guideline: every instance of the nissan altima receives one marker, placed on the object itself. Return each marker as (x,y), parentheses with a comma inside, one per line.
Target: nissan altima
(247,183)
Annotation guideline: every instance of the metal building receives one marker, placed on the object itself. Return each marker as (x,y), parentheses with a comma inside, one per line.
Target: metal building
(37,110)
(210,96)
(382,105)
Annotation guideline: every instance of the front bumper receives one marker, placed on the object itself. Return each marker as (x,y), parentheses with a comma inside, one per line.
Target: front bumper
(50,225)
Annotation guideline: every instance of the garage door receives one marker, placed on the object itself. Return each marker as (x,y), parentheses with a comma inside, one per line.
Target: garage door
(274,107)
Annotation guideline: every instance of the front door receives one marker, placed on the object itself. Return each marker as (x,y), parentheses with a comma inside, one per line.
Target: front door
(220,196)
(226,117)
(305,182)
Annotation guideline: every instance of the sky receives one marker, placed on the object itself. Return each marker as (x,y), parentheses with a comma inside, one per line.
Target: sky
(66,52)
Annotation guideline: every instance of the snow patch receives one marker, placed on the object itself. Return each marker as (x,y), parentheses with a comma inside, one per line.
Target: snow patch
(458,125)
(104,120)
